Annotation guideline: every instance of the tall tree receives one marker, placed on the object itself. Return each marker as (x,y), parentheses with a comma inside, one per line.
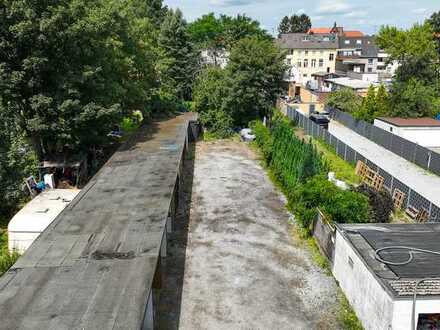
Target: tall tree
(88,65)
(300,23)
(177,62)
(284,26)
(415,91)
(344,99)
(255,74)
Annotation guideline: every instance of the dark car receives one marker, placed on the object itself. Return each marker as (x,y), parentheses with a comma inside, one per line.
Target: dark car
(321,120)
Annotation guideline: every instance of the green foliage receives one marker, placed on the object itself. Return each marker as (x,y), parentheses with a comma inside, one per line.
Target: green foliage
(247,89)
(344,99)
(177,60)
(415,91)
(300,169)
(300,23)
(254,79)
(263,139)
(347,317)
(434,20)
(295,24)
(293,160)
(90,62)
(6,259)
(374,104)
(341,206)
(223,32)
(381,203)
(284,26)
(343,170)
(414,98)
(210,91)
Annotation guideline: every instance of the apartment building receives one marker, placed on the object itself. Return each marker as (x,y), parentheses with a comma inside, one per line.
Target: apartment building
(307,54)
(358,57)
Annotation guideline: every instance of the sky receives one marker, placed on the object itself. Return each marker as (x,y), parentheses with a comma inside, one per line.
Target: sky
(364,15)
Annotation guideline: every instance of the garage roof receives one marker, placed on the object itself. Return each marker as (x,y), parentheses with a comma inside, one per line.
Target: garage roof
(411,122)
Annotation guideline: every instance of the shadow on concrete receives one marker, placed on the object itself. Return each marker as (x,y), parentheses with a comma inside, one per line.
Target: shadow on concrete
(170,296)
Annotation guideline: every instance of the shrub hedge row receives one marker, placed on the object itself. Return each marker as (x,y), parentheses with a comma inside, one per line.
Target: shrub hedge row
(301,171)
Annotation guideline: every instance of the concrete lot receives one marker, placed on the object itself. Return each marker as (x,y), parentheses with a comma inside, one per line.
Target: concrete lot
(243,269)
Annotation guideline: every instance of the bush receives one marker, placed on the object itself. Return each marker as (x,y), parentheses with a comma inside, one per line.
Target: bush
(293,160)
(263,139)
(217,122)
(381,203)
(338,205)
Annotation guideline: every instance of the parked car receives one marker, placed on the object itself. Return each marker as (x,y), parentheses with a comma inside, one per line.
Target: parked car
(320,119)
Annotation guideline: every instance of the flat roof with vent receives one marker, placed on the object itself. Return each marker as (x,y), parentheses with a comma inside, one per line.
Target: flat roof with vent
(399,280)
(39,213)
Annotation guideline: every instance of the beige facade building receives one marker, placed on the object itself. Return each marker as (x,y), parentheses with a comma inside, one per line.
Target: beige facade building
(307,54)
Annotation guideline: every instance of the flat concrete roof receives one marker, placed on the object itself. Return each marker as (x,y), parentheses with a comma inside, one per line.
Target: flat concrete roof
(399,280)
(411,122)
(349,82)
(36,215)
(93,267)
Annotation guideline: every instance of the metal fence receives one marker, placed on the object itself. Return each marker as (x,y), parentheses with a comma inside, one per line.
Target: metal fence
(411,151)
(350,155)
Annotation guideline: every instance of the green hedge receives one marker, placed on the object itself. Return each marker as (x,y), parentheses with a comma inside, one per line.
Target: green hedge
(302,171)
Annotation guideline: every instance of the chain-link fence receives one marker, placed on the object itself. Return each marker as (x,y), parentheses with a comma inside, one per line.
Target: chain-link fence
(412,198)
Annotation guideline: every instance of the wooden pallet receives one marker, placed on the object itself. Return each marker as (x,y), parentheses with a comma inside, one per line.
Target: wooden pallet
(398,199)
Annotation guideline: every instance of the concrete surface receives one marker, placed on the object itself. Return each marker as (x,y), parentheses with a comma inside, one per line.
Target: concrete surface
(243,269)
(424,183)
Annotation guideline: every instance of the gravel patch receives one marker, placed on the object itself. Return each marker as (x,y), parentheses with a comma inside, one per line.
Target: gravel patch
(242,268)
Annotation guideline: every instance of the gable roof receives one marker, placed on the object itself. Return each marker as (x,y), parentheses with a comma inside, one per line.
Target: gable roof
(353,34)
(319,30)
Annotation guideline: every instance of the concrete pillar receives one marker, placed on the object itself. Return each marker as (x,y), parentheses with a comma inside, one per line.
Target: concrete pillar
(163,245)
(149,314)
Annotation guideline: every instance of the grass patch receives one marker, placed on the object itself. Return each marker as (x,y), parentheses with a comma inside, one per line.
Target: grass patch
(6,259)
(347,317)
(343,170)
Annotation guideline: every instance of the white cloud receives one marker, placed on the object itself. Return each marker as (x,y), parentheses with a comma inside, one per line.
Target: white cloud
(333,7)
(419,11)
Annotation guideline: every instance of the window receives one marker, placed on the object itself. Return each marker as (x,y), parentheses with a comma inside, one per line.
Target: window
(305,75)
(306,38)
(347,42)
(370,61)
(313,63)
(321,62)
(370,69)
(298,64)
(380,59)
(306,52)
(328,70)
(306,63)
(331,57)
(391,129)
(359,42)
(290,51)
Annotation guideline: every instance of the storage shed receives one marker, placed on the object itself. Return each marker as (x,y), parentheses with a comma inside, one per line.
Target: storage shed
(382,292)
(35,216)
(423,131)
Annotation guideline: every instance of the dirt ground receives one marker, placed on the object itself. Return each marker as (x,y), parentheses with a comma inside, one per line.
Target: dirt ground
(233,263)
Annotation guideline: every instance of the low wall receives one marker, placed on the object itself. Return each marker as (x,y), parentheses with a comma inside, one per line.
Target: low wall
(324,234)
